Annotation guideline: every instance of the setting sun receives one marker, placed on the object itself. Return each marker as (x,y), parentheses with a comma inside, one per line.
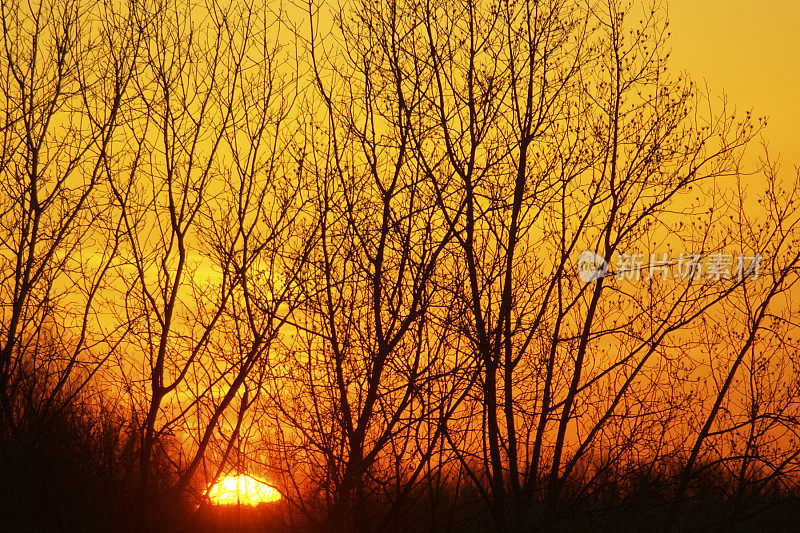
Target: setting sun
(242,490)
(399,265)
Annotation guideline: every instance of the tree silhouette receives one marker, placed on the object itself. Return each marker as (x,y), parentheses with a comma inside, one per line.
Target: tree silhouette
(339,249)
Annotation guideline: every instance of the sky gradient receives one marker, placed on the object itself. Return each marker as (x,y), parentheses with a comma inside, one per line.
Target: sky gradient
(751,51)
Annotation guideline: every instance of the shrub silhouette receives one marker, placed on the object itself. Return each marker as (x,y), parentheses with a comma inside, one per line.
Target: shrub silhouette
(69,465)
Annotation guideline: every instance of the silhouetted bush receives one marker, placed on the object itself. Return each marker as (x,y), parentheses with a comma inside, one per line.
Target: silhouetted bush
(69,465)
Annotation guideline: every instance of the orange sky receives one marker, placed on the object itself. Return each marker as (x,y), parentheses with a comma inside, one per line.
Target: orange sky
(751,50)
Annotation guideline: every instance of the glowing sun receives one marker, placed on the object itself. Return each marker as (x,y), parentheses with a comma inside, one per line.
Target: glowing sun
(242,490)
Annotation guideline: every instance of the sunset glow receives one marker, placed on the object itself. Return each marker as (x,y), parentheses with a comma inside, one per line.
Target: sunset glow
(242,490)
(413,266)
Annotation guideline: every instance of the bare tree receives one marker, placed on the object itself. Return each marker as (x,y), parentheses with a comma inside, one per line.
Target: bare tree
(545,129)
(370,377)
(752,342)
(206,212)
(65,79)
(349,256)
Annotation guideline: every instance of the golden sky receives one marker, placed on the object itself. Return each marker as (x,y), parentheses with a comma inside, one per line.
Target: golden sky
(751,50)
